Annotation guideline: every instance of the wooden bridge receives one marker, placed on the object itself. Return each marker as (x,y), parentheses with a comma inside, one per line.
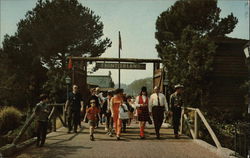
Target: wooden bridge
(59,144)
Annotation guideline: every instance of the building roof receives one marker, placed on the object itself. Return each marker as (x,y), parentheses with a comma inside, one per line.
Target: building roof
(101,81)
(230,40)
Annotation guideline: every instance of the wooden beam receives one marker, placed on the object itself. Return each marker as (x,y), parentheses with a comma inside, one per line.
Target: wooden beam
(211,132)
(56,104)
(64,124)
(181,126)
(51,113)
(189,126)
(24,128)
(195,125)
(116,59)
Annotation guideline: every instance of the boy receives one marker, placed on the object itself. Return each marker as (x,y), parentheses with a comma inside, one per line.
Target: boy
(92,113)
(42,112)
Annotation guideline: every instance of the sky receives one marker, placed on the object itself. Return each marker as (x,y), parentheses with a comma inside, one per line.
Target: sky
(135,19)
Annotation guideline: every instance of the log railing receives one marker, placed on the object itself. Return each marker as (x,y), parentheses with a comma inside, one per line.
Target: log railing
(194,131)
(52,116)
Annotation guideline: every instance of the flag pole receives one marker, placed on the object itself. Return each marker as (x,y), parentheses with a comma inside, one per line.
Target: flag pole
(119,56)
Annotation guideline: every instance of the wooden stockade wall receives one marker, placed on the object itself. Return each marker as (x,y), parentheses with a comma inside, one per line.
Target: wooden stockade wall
(229,74)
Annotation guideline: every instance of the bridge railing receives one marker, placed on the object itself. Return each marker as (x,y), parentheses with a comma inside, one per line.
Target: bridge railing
(193,125)
(52,117)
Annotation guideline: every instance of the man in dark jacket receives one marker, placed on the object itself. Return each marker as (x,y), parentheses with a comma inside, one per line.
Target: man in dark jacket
(176,102)
(73,107)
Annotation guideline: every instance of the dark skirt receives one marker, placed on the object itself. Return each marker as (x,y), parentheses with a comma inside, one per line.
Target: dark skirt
(143,113)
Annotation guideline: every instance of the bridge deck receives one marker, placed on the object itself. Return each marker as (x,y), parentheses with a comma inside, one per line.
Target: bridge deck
(62,145)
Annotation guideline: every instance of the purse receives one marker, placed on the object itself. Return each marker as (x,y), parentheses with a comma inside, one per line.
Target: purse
(123,113)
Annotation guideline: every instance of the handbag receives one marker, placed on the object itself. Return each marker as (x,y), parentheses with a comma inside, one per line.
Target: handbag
(123,113)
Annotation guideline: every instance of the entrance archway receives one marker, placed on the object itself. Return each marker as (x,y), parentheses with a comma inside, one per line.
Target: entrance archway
(79,69)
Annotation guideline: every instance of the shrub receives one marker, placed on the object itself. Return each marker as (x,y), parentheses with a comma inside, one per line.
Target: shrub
(10,118)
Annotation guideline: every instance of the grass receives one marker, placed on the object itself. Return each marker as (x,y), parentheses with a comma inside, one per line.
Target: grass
(10,119)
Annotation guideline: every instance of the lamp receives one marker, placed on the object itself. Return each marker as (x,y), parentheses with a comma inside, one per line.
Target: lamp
(68,80)
(247,49)
(247,54)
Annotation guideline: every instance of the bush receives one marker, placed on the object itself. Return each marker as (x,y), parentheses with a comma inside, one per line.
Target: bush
(10,118)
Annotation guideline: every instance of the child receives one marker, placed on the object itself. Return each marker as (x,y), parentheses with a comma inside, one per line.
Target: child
(42,112)
(92,113)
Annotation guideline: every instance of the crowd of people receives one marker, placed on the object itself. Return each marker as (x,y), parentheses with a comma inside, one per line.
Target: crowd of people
(115,111)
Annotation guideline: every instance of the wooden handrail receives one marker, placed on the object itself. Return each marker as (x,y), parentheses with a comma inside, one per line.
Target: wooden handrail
(211,132)
(51,113)
(26,125)
(56,104)
(190,129)
(31,119)
(195,132)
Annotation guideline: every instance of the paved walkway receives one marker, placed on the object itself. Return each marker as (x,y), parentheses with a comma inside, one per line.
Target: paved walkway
(62,145)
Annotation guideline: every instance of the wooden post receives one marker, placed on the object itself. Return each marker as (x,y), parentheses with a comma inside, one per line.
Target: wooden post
(195,125)
(181,127)
(188,125)
(64,116)
(153,75)
(52,116)
(54,121)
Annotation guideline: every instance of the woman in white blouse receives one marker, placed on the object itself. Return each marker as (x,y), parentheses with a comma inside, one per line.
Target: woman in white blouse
(142,109)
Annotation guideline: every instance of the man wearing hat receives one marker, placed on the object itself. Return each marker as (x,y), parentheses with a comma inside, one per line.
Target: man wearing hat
(176,102)
(157,106)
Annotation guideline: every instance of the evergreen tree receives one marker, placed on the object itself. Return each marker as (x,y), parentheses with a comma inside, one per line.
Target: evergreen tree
(185,35)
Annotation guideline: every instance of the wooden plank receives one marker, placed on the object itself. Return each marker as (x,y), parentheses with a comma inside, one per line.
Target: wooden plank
(121,66)
(51,113)
(195,124)
(64,123)
(181,126)
(56,104)
(116,59)
(24,128)
(189,126)
(211,132)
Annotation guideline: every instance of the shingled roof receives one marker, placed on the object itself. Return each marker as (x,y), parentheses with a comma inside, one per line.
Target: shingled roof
(102,81)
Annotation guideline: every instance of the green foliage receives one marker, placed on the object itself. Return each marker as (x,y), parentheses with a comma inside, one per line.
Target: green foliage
(22,74)
(55,85)
(10,118)
(135,87)
(186,46)
(35,57)
(60,28)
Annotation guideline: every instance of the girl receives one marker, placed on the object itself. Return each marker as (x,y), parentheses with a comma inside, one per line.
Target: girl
(142,110)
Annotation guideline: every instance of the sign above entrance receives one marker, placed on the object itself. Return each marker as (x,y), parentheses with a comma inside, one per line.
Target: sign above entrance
(122,66)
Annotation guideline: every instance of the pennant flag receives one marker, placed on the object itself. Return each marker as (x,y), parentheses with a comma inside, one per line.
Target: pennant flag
(120,41)
(70,65)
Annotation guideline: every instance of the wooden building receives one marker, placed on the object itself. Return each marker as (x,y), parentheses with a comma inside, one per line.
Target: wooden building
(229,75)
(227,95)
